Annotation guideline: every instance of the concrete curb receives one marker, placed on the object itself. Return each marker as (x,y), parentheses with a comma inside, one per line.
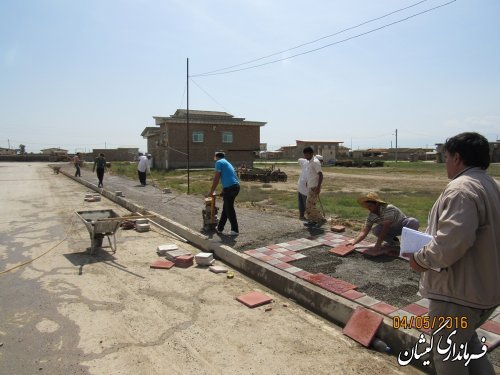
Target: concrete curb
(326,304)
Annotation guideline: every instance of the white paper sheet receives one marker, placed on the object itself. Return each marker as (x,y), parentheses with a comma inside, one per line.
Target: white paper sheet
(412,241)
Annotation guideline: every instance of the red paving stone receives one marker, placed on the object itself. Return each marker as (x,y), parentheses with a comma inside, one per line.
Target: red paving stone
(383,308)
(254,299)
(302,274)
(416,309)
(272,247)
(329,283)
(162,264)
(362,325)
(282,265)
(353,294)
(287,259)
(491,326)
(266,258)
(342,250)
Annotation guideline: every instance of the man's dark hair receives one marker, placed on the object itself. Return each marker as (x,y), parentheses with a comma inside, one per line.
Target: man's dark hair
(220,155)
(308,150)
(473,148)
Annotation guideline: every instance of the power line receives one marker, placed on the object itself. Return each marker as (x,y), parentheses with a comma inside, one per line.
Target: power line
(210,96)
(218,72)
(317,40)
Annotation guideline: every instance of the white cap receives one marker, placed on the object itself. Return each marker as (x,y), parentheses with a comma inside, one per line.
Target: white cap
(319,157)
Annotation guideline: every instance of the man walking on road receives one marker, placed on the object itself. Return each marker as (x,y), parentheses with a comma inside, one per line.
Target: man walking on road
(225,173)
(99,168)
(142,168)
(460,267)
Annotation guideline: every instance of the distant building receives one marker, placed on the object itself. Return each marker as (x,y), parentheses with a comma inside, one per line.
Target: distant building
(407,154)
(7,151)
(55,151)
(116,154)
(209,131)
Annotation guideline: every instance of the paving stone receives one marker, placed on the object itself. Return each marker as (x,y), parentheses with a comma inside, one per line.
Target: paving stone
(273,261)
(383,308)
(274,247)
(269,252)
(287,259)
(424,302)
(288,252)
(282,265)
(353,294)
(281,250)
(254,299)
(492,339)
(277,255)
(491,326)
(342,250)
(162,264)
(416,309)
(266,258)
(362,325)
(218,269)
(262,249)
(293,269)
(367,301)
(303,274)
(329,283)
(171,255)
(298,256)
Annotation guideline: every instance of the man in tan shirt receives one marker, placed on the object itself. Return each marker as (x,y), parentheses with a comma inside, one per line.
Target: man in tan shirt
(465,226)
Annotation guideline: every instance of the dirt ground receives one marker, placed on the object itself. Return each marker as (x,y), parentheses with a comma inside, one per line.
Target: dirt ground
(68,312)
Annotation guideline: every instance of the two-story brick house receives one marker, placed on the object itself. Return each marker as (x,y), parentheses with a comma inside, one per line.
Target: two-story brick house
(209,131)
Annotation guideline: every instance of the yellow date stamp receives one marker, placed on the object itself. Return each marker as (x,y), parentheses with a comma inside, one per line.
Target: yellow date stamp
(428,323)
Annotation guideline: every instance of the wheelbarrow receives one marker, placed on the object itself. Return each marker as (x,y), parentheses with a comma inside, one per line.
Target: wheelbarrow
(100,224)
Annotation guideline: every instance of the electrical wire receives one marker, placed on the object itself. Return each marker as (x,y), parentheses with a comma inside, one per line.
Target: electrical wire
(317,40)
(210,96)
(218,72)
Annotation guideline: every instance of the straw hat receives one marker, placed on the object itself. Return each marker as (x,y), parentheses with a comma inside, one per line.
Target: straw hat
(370,197)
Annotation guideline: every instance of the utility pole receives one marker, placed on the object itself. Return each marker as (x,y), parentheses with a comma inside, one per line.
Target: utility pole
(187,116)
(396,145)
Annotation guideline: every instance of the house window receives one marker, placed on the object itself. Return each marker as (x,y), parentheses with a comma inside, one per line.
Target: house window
(227,137)
(198,137)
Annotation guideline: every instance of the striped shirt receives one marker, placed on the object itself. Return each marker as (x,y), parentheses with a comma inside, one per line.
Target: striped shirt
(388,212)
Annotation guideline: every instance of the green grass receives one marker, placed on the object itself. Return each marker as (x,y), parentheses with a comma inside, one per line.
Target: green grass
(336,203)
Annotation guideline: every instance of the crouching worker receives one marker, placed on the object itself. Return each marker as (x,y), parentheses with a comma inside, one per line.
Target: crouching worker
(388,220)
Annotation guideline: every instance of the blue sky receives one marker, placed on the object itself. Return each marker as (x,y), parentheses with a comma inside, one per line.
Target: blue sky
(92,74)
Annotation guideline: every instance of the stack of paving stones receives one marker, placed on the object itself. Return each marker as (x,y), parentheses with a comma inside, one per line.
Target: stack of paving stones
(178,256)
(283,254)
(184,261)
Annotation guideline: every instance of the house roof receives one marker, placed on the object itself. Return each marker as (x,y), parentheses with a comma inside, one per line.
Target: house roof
(149,131)
(205,117)
(54,149)
(321,142)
